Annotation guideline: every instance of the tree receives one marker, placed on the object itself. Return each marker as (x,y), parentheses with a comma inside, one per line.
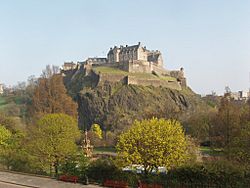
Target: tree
(14,155)
(239,147)
(227,122)
(50,96)
(153,143)
(97,130)
(8,122)
(53,140)
(199,125)
(5,135)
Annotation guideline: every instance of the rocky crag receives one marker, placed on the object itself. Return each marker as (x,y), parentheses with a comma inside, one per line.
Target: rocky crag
(115,105)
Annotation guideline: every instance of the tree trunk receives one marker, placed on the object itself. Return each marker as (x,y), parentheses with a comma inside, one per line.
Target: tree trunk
(56,167)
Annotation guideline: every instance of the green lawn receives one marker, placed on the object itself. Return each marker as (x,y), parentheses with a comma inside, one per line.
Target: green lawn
(3,102)
(211,151)
(104,150)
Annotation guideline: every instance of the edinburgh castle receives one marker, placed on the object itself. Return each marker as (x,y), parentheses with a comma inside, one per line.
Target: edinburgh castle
(136,63)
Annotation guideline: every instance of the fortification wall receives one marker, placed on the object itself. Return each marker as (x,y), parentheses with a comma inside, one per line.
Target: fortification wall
(157,83)
(111,78)
(159,70)
(113,65)
(136,66)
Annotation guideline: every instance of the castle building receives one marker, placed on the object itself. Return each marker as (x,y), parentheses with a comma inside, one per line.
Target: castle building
(96,60)
(69,66)
(132,59)
(135,54)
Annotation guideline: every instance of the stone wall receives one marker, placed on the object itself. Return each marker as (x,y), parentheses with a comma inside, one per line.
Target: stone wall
(154,82)
(136,66)
(179,75)
(111,78)
(159,70)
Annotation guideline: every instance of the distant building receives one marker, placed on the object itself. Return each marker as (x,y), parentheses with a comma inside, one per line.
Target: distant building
(239,96)
(96,60)
(1,89)
(69,66)
(243,94)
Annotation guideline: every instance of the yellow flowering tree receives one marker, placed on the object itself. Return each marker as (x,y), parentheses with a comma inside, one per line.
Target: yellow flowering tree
(5,135)
(152,143)
(97,130)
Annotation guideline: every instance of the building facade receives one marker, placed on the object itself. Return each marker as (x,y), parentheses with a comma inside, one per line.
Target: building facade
(135,53)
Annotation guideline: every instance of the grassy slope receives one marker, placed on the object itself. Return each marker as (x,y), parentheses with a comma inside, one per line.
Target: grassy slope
(3,102)
(114,71)
(8,102)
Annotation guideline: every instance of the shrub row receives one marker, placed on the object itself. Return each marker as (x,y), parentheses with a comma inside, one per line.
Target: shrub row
(216,174)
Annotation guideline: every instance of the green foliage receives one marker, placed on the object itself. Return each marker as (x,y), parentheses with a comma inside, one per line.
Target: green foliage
(153,143)
(8,122)
(102,169)
(239,147)
(97,130)
(5,135)
(215,174)
(199,125)
(75,165)
(105,169)
(15,156)
(53,140)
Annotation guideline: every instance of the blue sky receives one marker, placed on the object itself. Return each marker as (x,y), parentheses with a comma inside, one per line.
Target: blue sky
(209,38)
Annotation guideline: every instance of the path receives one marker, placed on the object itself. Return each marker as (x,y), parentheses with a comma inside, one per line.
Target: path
(20,180)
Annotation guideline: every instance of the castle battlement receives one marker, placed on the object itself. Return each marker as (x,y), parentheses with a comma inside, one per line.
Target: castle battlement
(132,59)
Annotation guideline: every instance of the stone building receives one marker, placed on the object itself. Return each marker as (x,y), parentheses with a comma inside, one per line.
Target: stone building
(132,59)
(69,66)
(96,60)
(135,58)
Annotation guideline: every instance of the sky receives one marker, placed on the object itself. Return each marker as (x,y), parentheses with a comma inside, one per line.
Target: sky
(209,38)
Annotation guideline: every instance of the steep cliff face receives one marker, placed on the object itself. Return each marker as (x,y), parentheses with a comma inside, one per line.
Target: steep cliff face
(116,106)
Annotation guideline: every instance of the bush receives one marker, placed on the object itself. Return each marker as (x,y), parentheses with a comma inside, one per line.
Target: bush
(218,174)
(76,166)
(212,174)
(105,169)
(102,169)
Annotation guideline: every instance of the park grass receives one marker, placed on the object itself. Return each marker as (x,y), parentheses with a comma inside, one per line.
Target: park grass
(211,151)
(104,150)
(9,102)
(3,102)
